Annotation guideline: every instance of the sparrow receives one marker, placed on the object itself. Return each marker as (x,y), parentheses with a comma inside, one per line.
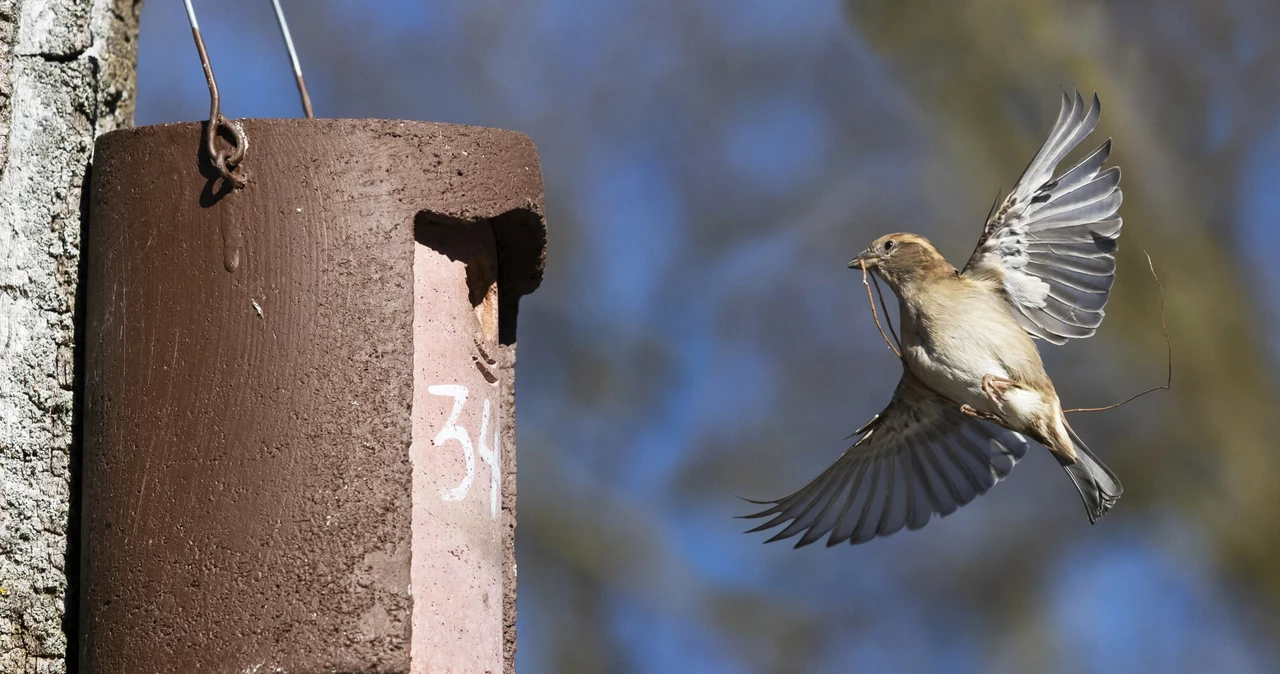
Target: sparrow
(973,387)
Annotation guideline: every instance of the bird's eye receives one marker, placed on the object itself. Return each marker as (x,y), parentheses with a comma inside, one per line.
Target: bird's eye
(888,245)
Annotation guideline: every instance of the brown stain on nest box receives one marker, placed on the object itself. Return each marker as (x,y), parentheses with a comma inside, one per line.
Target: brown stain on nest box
(270,478)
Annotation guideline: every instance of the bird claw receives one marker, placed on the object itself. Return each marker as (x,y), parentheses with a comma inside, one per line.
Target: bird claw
(970,412)
(995,387)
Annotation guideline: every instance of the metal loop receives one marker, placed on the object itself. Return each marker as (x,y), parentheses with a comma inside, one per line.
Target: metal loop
(224,160)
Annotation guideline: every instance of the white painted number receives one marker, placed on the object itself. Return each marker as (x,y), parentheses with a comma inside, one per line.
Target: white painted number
(490,456)
(452,431)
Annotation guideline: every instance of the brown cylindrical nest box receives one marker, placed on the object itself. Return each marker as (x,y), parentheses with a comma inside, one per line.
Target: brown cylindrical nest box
(299,439)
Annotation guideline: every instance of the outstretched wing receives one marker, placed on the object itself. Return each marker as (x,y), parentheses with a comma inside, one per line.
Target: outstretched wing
(1050,244)
(918,457)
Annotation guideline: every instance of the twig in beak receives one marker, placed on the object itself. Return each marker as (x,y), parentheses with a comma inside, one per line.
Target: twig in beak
(880,296)
(1168,343)
(872,302)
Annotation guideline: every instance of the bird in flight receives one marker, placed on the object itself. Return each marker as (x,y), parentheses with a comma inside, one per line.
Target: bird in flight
(973,388)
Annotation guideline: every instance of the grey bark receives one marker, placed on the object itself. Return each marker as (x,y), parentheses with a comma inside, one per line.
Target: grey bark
(67,74)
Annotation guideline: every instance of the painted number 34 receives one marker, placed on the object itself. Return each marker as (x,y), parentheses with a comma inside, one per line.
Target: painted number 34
(452,431)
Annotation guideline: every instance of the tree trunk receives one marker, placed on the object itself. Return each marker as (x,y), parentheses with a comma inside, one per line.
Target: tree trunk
(67,71)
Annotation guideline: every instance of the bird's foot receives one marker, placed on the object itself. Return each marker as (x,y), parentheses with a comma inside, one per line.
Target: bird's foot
(995,387)
(970,412)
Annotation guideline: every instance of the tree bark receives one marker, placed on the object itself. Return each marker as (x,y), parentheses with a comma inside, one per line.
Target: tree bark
(67,74)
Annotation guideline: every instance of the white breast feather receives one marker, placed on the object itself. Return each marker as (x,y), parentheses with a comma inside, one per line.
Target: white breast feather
(1023,406)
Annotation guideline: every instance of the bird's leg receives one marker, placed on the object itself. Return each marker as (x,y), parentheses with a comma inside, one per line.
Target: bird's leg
(970,412)
(995,387)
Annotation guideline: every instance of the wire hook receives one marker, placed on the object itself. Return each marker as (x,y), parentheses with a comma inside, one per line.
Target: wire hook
(224,160)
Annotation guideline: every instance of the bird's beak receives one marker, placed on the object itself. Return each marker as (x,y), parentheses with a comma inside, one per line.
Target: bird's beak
(865,257)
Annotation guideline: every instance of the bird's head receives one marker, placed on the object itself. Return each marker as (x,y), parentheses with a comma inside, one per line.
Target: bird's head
(901,257)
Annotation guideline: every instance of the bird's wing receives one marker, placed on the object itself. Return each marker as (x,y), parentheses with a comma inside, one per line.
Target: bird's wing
(1050,244)
(920,456)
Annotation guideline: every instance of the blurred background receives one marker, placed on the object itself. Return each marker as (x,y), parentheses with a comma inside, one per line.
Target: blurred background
(710,167)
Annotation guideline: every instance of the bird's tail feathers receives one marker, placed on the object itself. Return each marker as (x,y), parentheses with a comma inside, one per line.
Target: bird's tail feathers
(1099,487)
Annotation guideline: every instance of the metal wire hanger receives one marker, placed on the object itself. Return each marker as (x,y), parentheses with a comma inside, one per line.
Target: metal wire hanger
(227,160)
(293,58)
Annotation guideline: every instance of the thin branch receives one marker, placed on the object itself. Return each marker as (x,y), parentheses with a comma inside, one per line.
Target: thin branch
(1168,344)
(995,202)
(872,302)
(887,319)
